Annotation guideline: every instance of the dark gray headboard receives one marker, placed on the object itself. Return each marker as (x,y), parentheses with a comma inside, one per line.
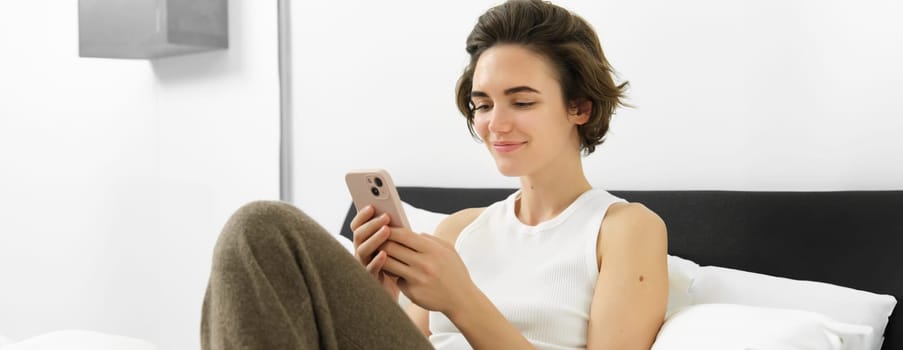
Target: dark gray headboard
(853,239)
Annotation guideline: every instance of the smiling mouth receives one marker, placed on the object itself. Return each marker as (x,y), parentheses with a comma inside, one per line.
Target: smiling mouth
(507,147)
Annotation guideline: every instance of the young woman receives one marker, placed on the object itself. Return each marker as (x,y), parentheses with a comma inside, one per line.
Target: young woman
(557,265)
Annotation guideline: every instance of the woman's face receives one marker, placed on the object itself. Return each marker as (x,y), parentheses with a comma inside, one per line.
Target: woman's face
(519,111)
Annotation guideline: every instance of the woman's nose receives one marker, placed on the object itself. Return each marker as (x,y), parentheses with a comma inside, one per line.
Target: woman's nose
(500,120)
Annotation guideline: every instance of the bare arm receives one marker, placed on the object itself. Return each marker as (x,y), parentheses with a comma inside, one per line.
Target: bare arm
(628,306)
(420,317)
(449,229)
(434,277)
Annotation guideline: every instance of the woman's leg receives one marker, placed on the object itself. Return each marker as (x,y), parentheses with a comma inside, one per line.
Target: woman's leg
(280,281)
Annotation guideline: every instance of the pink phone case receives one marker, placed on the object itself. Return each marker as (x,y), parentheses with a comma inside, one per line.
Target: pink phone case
(375,187)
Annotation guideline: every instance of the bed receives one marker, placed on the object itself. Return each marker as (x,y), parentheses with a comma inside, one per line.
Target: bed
(848,238)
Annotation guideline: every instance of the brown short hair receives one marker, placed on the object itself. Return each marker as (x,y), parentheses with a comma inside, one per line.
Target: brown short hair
(571,46)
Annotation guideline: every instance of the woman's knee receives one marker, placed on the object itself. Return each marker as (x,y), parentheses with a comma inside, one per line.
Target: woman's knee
(267,222)
(259,224)
(263,213)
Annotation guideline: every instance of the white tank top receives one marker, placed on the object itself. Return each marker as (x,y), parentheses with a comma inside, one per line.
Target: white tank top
(540,277)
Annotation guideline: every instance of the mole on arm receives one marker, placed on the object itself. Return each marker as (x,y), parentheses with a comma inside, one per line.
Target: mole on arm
(641,278)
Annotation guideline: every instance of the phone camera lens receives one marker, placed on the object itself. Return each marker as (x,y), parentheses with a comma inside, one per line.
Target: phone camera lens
(374,190)
(378,181)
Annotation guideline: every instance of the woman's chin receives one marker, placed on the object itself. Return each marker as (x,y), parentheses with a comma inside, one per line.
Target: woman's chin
(508,169)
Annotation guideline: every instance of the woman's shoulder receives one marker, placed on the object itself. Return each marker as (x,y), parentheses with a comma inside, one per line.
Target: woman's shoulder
(628,221)
(630,214)
(450,228)
(631,228)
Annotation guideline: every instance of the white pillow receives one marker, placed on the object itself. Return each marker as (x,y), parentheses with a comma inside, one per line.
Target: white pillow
(681,273)
(345,242)
(80,340)
(723,285)
(422,220)
(4,340)
(742,327)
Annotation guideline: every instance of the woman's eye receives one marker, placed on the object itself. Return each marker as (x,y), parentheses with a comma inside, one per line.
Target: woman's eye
(523,104)
(480,108)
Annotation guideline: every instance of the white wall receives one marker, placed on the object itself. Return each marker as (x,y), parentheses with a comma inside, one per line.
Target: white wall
(78,203)
(219,149)
(752,95)
(116,176)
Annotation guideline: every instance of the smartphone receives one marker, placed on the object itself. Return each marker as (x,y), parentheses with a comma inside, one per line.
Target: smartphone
(375,187)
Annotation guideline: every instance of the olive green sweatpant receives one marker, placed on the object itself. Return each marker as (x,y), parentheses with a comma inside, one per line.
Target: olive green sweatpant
(280,281)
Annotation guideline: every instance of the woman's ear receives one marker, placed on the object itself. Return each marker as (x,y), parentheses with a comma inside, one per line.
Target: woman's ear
(579,111)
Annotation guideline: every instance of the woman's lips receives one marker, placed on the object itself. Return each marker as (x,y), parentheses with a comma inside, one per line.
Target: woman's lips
(507,147)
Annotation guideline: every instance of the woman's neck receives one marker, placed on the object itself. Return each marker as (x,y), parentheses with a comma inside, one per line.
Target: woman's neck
(547,193)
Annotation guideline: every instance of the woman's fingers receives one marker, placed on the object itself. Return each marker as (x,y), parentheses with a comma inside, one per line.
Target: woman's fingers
(377,264)
(411,239)
(368,248)
(398,268)
(364,231)
(400,252)
(361,217)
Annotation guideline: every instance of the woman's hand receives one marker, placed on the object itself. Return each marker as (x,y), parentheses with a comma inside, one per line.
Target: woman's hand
(430,271)
(369,234)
